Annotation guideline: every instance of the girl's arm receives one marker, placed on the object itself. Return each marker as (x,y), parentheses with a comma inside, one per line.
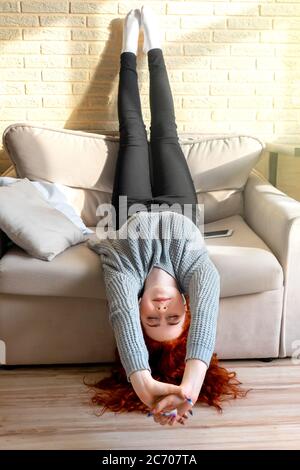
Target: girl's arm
(122,295)
(204,292)
(193,378)
(204,295)
(124,316)
(125,319)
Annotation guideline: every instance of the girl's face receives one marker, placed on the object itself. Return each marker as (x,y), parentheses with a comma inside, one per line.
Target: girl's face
(162,312)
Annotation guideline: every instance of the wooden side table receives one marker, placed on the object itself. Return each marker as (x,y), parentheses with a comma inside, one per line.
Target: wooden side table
(274,151)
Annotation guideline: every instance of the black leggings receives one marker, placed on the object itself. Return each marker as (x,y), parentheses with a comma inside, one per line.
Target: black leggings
(155,174)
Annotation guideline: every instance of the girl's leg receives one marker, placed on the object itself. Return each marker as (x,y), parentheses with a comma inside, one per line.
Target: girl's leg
(132,175)
(170,175)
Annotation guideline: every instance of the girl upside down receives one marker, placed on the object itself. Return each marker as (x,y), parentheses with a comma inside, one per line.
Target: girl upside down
(162,288)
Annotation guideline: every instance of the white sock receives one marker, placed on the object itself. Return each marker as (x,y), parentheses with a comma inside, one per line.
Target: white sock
(150,26)
(131,31)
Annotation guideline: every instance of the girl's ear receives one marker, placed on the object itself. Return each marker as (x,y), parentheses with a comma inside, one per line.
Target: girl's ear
(140,299)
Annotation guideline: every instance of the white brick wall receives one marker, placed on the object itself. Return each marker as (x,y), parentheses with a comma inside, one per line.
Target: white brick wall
(233,65)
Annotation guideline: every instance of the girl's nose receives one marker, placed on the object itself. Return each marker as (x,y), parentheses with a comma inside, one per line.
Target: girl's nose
(161,307)
(161,304)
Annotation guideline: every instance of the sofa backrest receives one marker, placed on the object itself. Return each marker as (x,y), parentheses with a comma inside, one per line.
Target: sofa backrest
(219,165)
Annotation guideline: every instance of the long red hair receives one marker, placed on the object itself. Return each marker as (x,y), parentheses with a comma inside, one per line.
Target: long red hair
(167,363)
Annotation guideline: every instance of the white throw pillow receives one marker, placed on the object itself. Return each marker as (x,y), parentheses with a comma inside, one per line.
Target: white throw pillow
(58,196)
(33,224)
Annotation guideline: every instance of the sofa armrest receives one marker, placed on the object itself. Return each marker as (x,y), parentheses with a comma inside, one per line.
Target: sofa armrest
(275,217)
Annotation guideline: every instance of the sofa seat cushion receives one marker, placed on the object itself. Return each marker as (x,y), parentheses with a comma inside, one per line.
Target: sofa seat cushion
(76,272)
(244,261)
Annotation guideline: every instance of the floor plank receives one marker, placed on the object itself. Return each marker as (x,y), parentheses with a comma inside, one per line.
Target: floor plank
(49,408)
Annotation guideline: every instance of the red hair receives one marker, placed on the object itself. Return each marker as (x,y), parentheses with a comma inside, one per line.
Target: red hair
(167,363)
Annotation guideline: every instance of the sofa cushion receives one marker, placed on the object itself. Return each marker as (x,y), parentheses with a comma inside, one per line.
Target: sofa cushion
(245,263)
(220,204)
(74,273)
(57,196)
(219,165)
(33,224)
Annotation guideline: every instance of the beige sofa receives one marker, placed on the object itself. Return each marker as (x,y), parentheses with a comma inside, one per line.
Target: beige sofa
(56,312)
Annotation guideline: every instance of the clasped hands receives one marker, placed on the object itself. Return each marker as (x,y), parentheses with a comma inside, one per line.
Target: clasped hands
(173,407)
(161,397)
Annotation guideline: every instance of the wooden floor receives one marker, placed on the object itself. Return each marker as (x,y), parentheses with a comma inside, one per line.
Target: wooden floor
(48,408)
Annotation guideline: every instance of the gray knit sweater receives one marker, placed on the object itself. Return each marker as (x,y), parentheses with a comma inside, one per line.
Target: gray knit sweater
(174,243)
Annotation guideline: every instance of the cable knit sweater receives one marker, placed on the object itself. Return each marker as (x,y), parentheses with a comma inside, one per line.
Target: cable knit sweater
(171,241)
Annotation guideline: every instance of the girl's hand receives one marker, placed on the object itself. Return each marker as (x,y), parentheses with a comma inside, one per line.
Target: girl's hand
(171,402)
(160,390)
(191,385)
(160,395)
(150,390)
(170,420)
